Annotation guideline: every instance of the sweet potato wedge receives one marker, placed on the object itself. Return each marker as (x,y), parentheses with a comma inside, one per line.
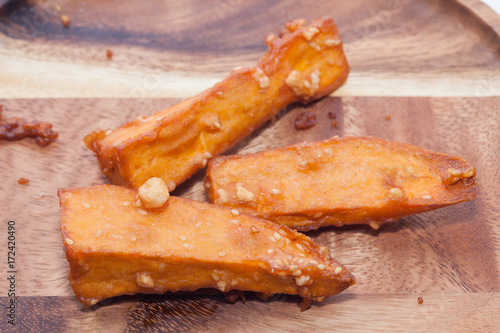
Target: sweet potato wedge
(339,181)
(304,64)
(115,248)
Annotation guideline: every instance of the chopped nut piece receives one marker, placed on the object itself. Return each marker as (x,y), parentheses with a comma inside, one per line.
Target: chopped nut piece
(396,193)
(69,241)
(223,195)
(154,193)
(338,270)
(333,42)
(243,194)
(145,280)
(302,280)
(426,197)
(221,285)
(420,300)
(254,230)
(309,33)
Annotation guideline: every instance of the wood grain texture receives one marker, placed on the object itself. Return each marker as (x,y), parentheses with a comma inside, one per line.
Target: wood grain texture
(174,49)
(178,48)
(441,312)
(453,252)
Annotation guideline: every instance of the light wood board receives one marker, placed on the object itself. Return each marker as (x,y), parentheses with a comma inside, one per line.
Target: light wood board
(433,66)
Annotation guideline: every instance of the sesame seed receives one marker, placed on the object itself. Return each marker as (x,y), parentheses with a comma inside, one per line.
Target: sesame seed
(219,93)
(217,124)
(282,232)
(233,221)
(98,233)
(270,251)
(293,267)
(297,272)
(142,212)
(116,236)
(275,191)
(133,239)
(207,155)
(300,261)
(426,197)
(204,162)
(235,212)
(307,84)
(277,236)
(158,119)
(69,241)
(222,254)
(262,265)
(272,239)
(454,172)
(317,215)
(197,224)
(126,203)
(254,230)
(279,262)
(314,262)
(299,246)
(237,68)
(215,277)
(94,301)
(321,267)
(338,270)
(234,282)
(138,203)
(86,205)
(374,225)
(183,238)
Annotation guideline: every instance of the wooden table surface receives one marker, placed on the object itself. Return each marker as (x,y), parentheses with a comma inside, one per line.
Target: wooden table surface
(432,65)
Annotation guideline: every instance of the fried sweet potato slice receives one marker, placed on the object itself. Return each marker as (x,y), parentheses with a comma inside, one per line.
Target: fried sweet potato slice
(114,248)
(352,180)
(304,64)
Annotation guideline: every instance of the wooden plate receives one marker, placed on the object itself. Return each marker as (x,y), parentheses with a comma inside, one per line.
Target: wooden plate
(433,66)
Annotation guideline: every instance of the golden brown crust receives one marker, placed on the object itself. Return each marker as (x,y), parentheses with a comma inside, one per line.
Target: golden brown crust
(306,63)
(339,181)
(114,247)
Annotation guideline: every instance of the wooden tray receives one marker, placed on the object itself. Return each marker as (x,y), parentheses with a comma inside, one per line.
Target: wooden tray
(433,66)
